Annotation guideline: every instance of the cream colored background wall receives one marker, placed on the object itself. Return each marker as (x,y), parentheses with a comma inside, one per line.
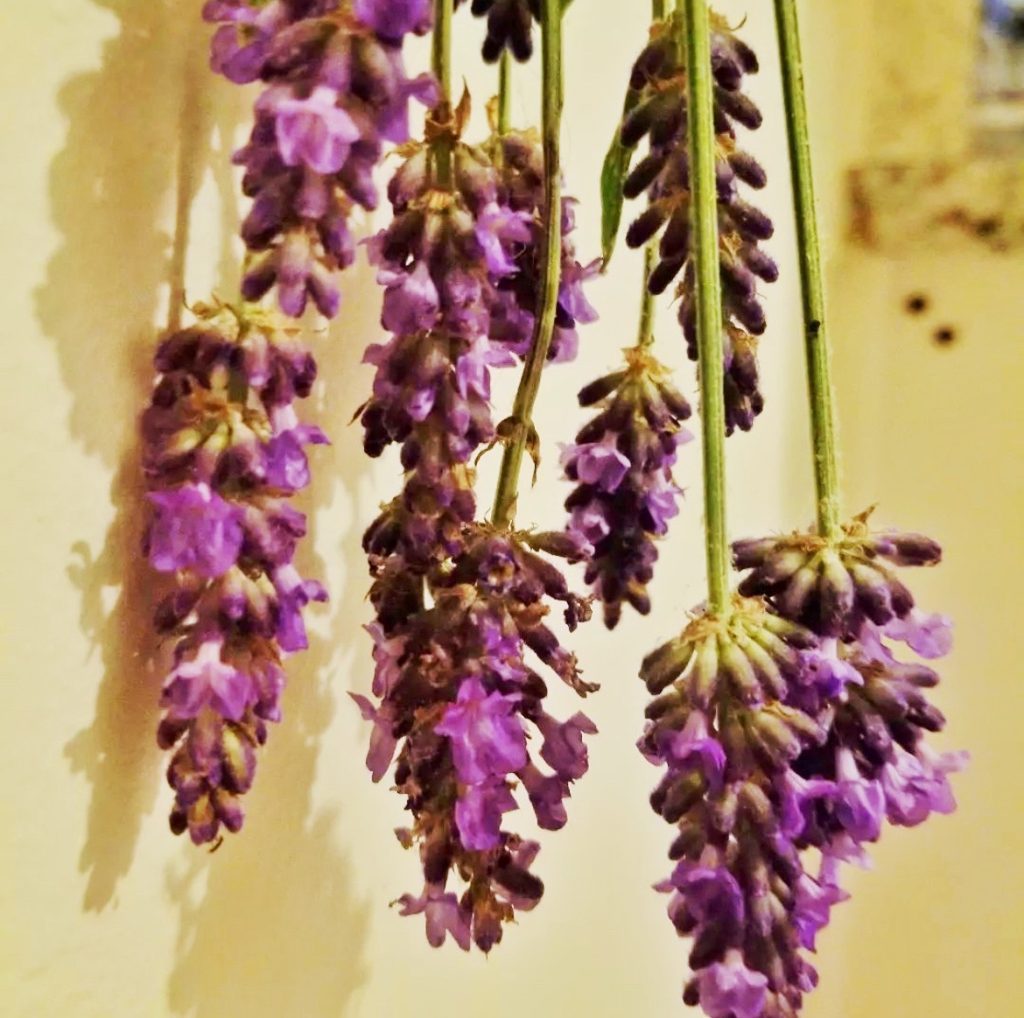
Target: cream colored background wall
(115,194)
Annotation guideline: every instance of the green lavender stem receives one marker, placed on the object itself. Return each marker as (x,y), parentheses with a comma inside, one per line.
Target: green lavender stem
(819,374)
(645,332)
(441,64)
(504,92)
(694,26)
(658,10)
(551,259)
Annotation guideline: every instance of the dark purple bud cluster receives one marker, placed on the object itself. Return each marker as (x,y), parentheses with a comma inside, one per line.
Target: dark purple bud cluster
(336,92)
(224,453)
(723,727)
(625,494)
(459,263)
(657,110)
(457,697)
(509,24)
(847,591)
(519,158)
(790,731)
(439,261)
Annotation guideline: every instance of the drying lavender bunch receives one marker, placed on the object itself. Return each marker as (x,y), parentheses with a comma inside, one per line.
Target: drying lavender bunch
(224,453)
(519,159)
(625,493)
(509,26)
(723,728)
(439,260)
(335,92)
(847,590)
(457,699)
(460,267)
(656,108)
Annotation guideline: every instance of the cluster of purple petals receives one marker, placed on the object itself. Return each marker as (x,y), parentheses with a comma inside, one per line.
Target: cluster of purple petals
(621,464)
(335,93)
(790,731)
(224,452)
(847,590)
(458,264)
(439,261)
(519,157)
(722,729)
(509,25)
(657,110)
(456,699)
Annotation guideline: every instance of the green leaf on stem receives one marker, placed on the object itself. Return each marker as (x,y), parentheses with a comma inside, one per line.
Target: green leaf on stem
(613,172)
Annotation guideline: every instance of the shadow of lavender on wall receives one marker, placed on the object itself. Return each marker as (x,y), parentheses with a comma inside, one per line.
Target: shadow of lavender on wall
(130,131)
(269,924)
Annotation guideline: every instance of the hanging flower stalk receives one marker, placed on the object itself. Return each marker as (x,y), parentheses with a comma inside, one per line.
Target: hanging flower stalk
(224,453)
(335,92)
(656,109)
(622,463)
(459,604)
(840,581)
(782,715)
(721,724)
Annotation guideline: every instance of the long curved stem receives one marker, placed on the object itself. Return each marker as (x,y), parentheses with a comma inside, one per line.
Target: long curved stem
(694,25)
(819,372)
(551,259)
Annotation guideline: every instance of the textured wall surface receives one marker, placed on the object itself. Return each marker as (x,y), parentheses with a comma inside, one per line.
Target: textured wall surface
(116,200)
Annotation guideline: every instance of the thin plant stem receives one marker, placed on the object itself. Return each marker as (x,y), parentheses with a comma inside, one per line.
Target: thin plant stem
(645,332)
(694,26)
(658,9)
(504,92)
(441,64)
(819,371)
(551,260)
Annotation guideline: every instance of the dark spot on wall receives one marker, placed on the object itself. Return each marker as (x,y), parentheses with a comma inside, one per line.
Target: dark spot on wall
(916,303)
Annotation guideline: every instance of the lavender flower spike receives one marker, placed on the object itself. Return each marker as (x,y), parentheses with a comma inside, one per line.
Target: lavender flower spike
(335,92)
(657,107)
(722,727)
(458,697)
(625,493)
(223,454)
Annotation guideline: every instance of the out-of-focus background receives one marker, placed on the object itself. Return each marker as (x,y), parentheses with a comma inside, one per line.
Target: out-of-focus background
(116,197)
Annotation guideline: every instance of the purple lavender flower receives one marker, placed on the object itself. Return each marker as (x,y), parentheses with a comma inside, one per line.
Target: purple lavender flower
(223,450)
(457,699)
(486,737)
(722,727)
(874,764)
(336,91)
(458,263)
(194,528)
(729,989)
(393,19)
(509,25)
(657,110)
(625,494)
(520,158)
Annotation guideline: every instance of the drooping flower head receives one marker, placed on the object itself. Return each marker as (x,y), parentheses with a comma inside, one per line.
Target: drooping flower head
(625,494)
(224,451)
(335,94)
(457,700)
(722,728)
(657,110)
